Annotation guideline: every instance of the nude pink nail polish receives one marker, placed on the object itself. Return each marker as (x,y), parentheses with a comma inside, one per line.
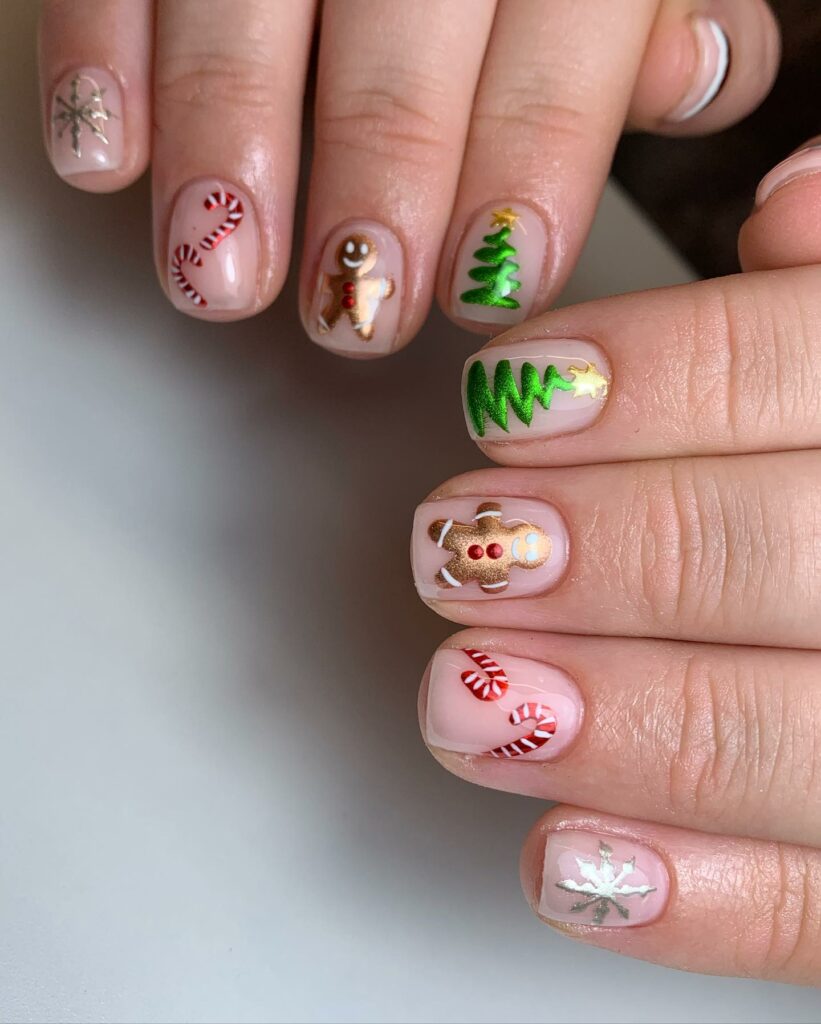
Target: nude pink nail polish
(534,389)
(499,264)
(86,123)
(213,249)
(798,165)
(475,549)
(499,706)
(712,65)
(356,302)
(595,879)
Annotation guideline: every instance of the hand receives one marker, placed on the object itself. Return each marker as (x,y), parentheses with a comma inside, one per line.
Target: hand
(684,715)
(437,125)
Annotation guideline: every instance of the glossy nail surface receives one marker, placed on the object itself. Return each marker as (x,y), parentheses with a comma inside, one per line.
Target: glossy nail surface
(356,301)
(595,879)
(712,65)
(213,249)
(499,264)
(496,705)
(86,123)
(534,389)
(473,549)
(805,162)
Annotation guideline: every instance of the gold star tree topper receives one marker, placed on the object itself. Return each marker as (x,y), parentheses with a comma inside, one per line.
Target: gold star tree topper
(588,382)
(504,218)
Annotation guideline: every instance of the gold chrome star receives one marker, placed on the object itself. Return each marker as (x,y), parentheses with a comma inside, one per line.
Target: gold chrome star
(74,112)
(504,218)
(588,382)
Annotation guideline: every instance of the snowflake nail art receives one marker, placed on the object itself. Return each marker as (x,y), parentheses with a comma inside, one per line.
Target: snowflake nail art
(602,888)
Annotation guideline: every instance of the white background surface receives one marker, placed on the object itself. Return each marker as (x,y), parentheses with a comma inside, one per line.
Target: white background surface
(214,804)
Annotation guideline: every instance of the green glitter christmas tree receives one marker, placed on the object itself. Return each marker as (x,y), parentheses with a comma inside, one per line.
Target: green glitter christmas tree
(496,276)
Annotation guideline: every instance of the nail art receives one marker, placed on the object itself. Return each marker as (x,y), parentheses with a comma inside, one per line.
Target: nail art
(213,248)
(538,390)
(798,165)
(713,64)
(469,549)
(500,706)
(356,303)
(601,880)
(86,123)
(499,265)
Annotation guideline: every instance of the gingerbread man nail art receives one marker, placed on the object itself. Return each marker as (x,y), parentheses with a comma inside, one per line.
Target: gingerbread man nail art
(352,292)
(487,549)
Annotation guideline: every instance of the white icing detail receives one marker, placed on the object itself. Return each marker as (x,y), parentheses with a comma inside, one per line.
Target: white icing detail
(349,246)
(351,263)
(493,586)
(514,548)
(363,248)
(444,532)
(532,555)
(481,515)
(453,582)
(531,538)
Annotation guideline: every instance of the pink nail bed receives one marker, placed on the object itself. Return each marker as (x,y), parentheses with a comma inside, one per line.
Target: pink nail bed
(474,549)
(805,162)
(500,706)
(356,302)
(594,879)
(712,65)
(534,389)
(213,249)
(499,264)
(86,122)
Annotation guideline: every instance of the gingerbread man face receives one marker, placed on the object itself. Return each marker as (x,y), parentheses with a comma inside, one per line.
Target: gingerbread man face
(356,255)
(487,549)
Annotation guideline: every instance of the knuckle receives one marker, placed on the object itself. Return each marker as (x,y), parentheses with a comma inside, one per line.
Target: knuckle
(524,118)
(398,119)
(209,80)
(790,944)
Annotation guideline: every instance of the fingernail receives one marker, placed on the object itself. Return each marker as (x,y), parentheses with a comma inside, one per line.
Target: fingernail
(357,296)
(213,249)
(473,549)
(534,389)
(499,706)
(804,162)
(86,123)
(499,264)
(712,65)
(595,879)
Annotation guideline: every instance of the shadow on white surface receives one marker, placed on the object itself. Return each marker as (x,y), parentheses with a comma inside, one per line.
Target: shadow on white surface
(214,804)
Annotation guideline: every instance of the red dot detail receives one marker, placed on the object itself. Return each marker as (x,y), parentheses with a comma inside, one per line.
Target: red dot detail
(475,551)
(495,551)
(348,286)
(348,301)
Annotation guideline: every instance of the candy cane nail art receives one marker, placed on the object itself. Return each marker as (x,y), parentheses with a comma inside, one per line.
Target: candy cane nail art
(220,254)
(507,708)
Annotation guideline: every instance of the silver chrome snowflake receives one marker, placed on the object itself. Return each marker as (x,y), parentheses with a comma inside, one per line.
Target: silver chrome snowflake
(74,113)
(602,885)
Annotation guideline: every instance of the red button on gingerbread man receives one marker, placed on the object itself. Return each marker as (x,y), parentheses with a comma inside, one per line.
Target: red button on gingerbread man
(351,292)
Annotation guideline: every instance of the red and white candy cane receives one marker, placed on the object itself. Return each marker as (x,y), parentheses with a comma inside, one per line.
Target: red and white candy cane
(186,253)
(491,683)
(545,720)
(236,211)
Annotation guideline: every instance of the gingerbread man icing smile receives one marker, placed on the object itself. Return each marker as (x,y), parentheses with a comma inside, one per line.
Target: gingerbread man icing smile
(351,292)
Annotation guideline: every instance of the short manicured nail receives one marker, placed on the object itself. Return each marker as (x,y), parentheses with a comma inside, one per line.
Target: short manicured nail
(499,264)
(357,295)
(534,389)
(500,706)
(805,162)
(594,879)
(470,549)
(86,123)
(213,249)
(712,65)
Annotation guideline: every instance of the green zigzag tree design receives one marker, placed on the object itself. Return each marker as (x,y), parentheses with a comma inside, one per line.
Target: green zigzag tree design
(482,401)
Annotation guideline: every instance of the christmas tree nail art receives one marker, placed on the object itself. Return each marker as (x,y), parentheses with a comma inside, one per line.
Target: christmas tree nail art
(496,273)
(499,264)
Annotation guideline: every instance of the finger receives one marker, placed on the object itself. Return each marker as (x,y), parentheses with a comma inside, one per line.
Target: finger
(784,229)
(393,97)
(731,365)
(228,103)
(757,902)
(721,739)
(705,69)
(548,112)
(714,549)
(95,67)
